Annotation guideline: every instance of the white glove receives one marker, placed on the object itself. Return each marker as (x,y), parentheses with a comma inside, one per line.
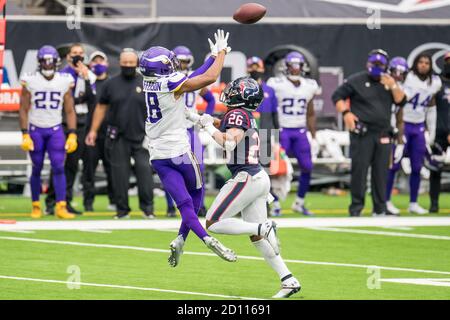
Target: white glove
(398,153)
(192,116)
(206,119)
(221,41)
(315,148)
(213,47)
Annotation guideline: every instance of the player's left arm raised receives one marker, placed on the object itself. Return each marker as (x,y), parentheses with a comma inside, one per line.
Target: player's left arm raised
(71,118)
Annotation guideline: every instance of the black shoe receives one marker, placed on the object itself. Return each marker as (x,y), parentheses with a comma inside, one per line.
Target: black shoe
(122,215)
(50,211)
(434,208)
(202,212)
(355,214)
(149,215)
(171,213)
(388,213)
(72,209)
(88,207)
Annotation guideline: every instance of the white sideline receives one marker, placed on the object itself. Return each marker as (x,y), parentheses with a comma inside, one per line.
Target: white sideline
(110,246)
(164,224)
(385,233)
(128,287)
(425,281)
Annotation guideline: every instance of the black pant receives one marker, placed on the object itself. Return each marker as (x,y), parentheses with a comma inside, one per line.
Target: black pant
(435,176)
(70,169)
(119,152)
(92,156)
(370,150)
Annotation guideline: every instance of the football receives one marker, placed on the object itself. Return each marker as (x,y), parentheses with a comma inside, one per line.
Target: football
(249,13)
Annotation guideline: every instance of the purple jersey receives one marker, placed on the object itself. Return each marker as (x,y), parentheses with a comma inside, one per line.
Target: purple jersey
(245,157)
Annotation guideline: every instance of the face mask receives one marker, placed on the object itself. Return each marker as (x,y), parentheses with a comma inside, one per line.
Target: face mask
(48,73)
(76,59)
(375,71)
(256,75)
(99,69)
(446,70)
(128,72)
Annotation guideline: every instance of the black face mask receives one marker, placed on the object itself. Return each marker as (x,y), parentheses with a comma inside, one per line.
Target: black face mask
(128,72)
(256,75)
(446,70)
(76,59)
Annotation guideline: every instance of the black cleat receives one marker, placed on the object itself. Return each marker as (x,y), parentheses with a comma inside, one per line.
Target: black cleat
(122,215)
(71,209)
(434,208)
(171,212)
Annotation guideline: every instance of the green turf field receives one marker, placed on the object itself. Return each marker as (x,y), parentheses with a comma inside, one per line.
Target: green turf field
(132,264)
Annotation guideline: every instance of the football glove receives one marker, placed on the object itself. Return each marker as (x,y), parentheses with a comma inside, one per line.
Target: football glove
(27,142)
(205,120)
(398,153)
(71,143)
(221,42)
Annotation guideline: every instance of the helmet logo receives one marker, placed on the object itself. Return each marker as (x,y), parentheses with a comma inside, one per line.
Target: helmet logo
(248,89)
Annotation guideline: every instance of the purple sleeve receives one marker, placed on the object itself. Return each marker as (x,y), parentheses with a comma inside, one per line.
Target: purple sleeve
(208,63)
(172,85)
(211,102)
(274,102)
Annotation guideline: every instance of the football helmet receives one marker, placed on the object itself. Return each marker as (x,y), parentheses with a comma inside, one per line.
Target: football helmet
(184,54)
(157,62)
(294,62)
(398,68)
(435,157)
(244,93)
(48,60)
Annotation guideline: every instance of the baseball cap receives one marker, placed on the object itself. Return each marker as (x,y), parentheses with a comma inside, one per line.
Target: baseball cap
(98,54)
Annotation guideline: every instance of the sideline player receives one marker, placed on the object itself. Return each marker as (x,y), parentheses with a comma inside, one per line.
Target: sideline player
(169,147)
(296,116)
(44,94)
(419,114)
(186,59)
(398,69)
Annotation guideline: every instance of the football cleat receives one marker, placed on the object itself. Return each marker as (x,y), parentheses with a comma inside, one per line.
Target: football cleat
(36,212)
(61,211)
(289,287)
(176,250)
(415,208)
(218,248)
(268,230)
(391,208)
(276,209)
(300,208)
(122,215)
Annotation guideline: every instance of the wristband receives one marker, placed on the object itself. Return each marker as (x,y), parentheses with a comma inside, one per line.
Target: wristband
(211,129)
(24,131)
(71,131)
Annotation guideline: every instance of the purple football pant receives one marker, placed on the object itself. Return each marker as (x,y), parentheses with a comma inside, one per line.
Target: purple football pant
(180,177)
(51,140)
(197,149)
(295,142)
(416,149)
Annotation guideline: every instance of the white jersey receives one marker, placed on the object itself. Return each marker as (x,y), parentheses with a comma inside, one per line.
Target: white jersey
(47,97)
(293,101)
(419,94)
(166,122)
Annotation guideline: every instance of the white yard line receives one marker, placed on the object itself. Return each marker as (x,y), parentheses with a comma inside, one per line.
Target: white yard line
(385,233)
(399,228)
(96,231)
(167,224)
(425,282)
(110,246)
(17,231)
(127,287)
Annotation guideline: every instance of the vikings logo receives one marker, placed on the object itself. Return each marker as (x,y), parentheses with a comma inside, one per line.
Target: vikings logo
(248,89)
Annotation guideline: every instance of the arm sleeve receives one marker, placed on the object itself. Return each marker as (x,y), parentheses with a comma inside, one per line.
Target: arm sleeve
(343,92)
(210,102)
(203,68)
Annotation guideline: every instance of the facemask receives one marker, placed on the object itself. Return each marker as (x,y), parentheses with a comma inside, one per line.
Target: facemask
(99,69)
(446,70)
(256,75)
(48,73)
(294,77)
(76,59)
(128,72)
(375,71)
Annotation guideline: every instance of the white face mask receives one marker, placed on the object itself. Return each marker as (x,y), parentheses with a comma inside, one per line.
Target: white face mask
(48,73)
(294,77)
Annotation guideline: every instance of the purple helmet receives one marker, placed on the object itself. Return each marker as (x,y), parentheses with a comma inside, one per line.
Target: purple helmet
(48,55)
(398,65)
(157,62)
(294,61)
(183,53)
(255,60)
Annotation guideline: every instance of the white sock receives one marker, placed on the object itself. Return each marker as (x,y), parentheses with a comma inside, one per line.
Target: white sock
(275,261)
(300,201)
(234,226)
